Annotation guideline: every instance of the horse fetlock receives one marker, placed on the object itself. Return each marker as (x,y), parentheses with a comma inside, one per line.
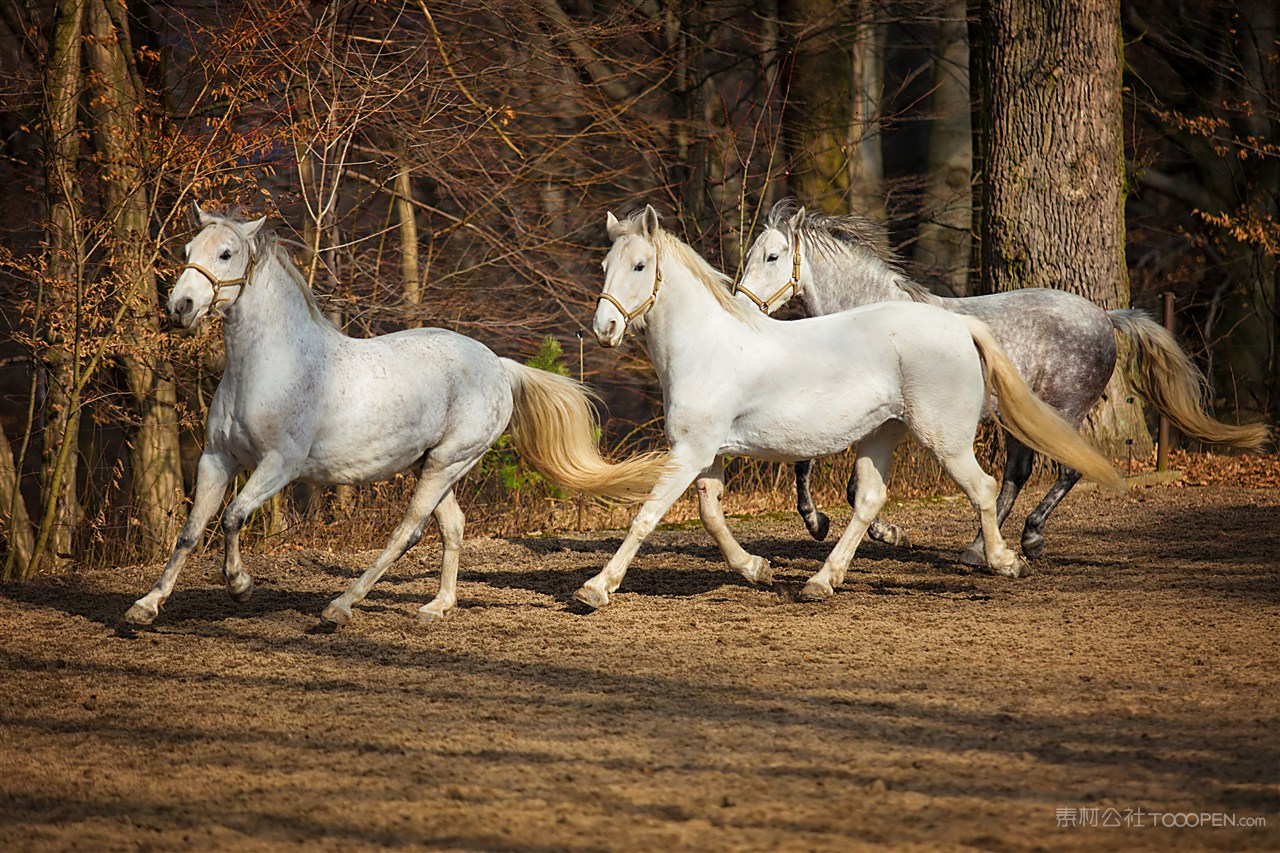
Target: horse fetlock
(895,535)
(336,614)
(593,598)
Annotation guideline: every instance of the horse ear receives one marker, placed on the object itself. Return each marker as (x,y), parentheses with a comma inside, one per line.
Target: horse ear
(649,222)
(796,220)
(251,228)
(616,229)
(201,217)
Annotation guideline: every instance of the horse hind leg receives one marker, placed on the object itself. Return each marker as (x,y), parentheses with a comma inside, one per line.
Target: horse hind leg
(1033,531)
(872,466)
(434,483)
(980,488)
(1018,463)
(710,485)
(881,531)
(451,521)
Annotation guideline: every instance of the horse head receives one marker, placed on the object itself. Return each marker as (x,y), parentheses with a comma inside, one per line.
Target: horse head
(631,276)
(774,267)
(219,265)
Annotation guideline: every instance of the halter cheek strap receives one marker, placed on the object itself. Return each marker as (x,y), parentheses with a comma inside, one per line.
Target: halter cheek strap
(793,284)
(628,316)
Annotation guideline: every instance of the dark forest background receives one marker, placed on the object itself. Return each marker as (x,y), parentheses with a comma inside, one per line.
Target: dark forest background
(451,163)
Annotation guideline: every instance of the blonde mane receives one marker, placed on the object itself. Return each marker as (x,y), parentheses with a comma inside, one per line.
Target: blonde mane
(716,282)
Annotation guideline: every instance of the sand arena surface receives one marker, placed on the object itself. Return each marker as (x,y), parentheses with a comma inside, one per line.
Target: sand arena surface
(923,707)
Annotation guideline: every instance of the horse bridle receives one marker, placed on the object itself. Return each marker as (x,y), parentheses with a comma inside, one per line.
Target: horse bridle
(219,283)
(793,284)
(628,316)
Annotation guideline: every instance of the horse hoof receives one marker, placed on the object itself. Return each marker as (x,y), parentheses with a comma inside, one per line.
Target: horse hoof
(427,616)
(242,595)
(336,615)
(816,591)
(973,556)
(592,598)
(1032,545)
(897,537)
(1019,568)
(140,614)
(819,526)
(759,571)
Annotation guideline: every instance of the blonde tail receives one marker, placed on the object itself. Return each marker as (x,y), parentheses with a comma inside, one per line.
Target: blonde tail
(1032,421)
(1166,377)
(554,429)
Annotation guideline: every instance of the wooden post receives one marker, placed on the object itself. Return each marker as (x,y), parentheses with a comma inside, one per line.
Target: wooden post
(1162,441)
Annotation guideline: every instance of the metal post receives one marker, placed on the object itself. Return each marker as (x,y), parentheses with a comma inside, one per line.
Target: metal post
(581,378)
(1162,442)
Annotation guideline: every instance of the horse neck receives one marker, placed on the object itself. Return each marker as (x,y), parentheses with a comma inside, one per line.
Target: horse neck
(683,315)
(272,315)
(843,282)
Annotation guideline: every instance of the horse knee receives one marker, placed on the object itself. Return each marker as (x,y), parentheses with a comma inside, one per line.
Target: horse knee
(231,523)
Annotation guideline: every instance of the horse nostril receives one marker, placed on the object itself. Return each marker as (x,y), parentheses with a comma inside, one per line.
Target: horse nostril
(182,306)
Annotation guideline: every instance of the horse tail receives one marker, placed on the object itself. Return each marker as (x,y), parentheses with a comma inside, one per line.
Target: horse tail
(1030,420)
(1166,377)
(554,428)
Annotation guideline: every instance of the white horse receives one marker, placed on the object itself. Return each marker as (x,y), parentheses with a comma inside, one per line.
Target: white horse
(299,400)
(737,382)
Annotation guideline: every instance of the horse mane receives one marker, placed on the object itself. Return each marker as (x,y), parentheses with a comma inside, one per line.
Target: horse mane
(717,283)
(851,234)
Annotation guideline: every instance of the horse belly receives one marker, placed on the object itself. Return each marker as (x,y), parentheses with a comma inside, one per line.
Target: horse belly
(806,428)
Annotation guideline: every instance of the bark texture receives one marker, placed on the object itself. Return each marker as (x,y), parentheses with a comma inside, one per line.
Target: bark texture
(1053,188)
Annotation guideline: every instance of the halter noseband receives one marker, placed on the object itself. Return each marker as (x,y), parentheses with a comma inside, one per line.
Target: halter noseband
(793,284)
(219,283)
(628,316)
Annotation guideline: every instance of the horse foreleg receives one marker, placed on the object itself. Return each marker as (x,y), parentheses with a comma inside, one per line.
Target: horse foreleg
(271,475)
(1018,463)
(212,476)
(433,487)
(710,487)
(595,592)
(871,468)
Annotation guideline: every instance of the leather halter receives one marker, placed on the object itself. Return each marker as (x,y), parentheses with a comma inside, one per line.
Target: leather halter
(219,283)
(628,316)
(793,284)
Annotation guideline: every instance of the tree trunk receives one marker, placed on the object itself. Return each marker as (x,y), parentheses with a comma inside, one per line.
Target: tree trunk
(1052,191)
(863,156)
(19,534)
(818,111)
(942,243)
(64,283)
(408,222)
(156,457)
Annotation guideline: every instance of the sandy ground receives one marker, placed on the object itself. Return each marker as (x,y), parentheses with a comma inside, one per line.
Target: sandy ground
(1133,679)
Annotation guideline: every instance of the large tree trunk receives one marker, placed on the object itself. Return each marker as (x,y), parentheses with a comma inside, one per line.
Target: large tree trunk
(61,513)
(942,243)
(156,458)
(1052,191)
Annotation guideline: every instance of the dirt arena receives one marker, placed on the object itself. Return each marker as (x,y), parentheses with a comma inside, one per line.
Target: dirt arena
(1133,679)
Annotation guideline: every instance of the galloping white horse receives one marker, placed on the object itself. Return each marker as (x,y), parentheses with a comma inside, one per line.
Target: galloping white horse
(299,400)
(737,382)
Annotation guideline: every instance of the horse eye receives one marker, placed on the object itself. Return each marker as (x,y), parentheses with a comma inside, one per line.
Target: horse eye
(226,254)
(772,257)
(639,267)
